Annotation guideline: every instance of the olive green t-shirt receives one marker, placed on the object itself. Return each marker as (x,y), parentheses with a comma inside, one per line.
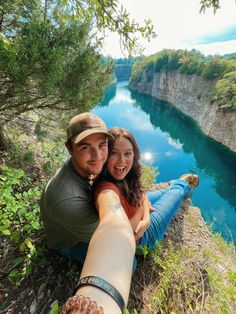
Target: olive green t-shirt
(67,209)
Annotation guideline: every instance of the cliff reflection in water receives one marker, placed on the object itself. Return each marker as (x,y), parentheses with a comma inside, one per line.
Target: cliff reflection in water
(211,157)
(109,94)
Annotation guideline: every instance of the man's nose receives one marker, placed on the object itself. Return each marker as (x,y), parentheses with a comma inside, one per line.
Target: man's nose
(95,152)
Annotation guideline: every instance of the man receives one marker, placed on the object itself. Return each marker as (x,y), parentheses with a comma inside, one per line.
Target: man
(67,209)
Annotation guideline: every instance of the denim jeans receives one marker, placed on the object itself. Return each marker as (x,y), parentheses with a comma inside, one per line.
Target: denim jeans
(77,252)
(166,203)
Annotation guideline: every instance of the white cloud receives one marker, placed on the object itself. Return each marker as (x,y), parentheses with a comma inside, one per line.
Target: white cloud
(170,154)
(174,143)
(176,23)
(124,98)
(136,121)
(220,47)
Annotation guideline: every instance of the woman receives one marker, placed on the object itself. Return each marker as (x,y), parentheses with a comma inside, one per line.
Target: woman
(149,214)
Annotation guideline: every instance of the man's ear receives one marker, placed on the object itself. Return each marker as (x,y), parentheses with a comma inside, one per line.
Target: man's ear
(68,148)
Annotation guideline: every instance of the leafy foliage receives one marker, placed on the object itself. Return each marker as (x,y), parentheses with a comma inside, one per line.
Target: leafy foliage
(50,66)
(20,220)
(215,68)
(145,65)
(225,91)
(50,52)
(206,4)
(149,174)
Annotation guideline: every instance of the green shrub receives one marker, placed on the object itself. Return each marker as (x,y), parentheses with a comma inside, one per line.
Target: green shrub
(149,175)
(20,221)
(215,68)
(146,65)
(225,91)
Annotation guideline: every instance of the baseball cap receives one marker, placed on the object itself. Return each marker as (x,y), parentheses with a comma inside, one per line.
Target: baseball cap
(85,124)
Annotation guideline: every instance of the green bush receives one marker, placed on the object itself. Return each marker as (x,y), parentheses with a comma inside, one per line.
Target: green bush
(149,175)
(214,69)
(139,67)
(225,91)
(20,221)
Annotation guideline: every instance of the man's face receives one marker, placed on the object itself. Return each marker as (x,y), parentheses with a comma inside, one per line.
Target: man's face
(89,155)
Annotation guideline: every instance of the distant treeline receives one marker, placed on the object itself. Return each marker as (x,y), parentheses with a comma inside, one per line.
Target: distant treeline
(220,69)
(126,61)
(122,66)
(121,61)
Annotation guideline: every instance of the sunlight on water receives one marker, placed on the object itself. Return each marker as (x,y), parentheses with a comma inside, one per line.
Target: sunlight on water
(147,156)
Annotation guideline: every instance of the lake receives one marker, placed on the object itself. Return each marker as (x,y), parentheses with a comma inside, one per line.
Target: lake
(173,142)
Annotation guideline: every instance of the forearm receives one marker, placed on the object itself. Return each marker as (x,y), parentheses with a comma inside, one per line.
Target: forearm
(110,257)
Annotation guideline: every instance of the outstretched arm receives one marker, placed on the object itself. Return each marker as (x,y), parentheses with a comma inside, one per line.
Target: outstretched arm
(110,253)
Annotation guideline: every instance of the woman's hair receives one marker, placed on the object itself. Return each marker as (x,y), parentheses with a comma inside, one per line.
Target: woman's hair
(131,185)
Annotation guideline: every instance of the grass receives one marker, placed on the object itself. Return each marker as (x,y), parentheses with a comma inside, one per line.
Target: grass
(193,281)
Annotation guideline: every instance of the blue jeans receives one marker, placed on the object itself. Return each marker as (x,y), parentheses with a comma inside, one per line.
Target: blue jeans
(166,203)
(77,252)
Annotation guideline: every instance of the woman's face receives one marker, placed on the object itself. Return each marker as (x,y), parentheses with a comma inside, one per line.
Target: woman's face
(121,158)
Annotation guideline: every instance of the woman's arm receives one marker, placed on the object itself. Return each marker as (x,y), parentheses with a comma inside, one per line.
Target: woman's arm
(110,253)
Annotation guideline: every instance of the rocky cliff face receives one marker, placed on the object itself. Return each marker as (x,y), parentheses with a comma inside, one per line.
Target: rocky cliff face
(189,93)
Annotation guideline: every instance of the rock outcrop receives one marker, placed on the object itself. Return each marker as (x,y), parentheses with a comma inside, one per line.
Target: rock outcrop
(190,94)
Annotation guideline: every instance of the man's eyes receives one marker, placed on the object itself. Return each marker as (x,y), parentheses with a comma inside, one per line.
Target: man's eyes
(85,147)
(104,145)
(90,148)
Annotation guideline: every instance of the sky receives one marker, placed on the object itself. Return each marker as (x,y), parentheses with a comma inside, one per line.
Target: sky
(179,25)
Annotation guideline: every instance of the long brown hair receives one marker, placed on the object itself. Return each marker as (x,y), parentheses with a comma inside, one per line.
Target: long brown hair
(131,185)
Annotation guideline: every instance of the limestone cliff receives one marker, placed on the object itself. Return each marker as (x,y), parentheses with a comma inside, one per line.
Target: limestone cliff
(190,94)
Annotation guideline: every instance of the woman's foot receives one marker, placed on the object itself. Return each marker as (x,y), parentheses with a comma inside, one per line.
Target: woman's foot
(192,179)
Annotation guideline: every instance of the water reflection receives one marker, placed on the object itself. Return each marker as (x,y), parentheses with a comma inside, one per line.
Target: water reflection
(109,94)
(214,159)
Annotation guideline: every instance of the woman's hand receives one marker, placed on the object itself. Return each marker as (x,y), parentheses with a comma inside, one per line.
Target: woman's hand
(145,221)
(141,228)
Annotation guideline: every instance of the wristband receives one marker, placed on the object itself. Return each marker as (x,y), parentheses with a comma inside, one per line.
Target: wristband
(104,286)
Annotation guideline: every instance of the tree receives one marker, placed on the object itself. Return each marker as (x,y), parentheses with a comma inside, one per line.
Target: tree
(225,91)
(50,52)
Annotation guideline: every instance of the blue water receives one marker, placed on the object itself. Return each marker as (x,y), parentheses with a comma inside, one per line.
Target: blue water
(173,142)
